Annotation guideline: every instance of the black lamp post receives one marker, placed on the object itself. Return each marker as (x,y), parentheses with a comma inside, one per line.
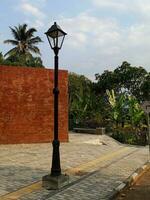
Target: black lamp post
(55,180)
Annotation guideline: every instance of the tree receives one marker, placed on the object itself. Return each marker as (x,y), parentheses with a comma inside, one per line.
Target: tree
(1,58)
(85,107)
(125,110)
(24,41)
(130,79)
(35,62)
(79,93)
(145,88)
(16,60)
(125,78)
(25,44)
(106,81)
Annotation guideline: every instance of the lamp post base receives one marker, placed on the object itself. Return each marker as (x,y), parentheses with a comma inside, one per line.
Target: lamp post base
(50,182)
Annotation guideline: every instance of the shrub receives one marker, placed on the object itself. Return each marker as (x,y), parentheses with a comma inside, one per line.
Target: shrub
(130,136)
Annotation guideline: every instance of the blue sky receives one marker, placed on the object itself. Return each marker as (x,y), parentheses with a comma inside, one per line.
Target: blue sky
(101,33)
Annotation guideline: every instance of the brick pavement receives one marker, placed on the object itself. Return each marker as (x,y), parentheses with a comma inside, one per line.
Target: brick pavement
(95,169)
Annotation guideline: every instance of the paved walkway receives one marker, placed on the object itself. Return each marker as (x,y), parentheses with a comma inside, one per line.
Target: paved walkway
(96,165)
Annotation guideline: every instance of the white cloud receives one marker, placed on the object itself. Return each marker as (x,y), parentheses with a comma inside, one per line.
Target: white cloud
(38,24)
(139,34)
(95,43)
(115,4)
(33,12)
(139,8)
(84,30)
(30,9)
(98,43)
(91,42)
(38,3)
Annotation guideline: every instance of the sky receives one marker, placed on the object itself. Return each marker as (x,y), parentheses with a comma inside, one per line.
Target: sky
(101,34)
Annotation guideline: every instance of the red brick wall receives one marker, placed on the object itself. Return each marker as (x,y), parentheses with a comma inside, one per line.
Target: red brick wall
(26,105)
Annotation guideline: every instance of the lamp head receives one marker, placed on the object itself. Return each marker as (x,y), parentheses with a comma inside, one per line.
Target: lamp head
(55,36)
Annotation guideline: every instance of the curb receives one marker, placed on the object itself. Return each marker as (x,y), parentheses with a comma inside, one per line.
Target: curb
(131,180)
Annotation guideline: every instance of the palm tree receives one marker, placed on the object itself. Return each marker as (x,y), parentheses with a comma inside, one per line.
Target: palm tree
(24,41)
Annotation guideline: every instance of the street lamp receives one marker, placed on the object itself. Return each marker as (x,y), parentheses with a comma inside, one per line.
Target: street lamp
(55,180)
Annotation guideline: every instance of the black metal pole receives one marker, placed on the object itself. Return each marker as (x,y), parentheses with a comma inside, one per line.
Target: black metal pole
(56,169)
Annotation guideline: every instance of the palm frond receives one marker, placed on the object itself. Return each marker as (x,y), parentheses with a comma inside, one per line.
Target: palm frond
(35,40)
(23,32)
(30,32)
(34,49)
(24,39)
(11,52)
(15,33)
(13,42)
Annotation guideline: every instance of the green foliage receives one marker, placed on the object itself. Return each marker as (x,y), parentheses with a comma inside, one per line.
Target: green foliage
(145,88)
(113,101)
(79,95)
(21,60)
(1,57)
(25,44)
(131,78)
(125,109)
(135,112)
(86,109)
(128,117)
(125,78)
(106,81)
(118,105)
(35,62)
(128,136)
(24,41)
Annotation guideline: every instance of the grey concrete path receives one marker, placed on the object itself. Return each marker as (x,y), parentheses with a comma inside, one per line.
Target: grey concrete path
(96,165)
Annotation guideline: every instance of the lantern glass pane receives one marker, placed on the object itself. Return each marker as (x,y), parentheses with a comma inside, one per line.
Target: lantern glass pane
(52,42)
(56,42)
(55,34)
(60,41)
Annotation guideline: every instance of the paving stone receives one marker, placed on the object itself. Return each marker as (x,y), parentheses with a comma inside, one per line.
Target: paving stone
(24,164)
